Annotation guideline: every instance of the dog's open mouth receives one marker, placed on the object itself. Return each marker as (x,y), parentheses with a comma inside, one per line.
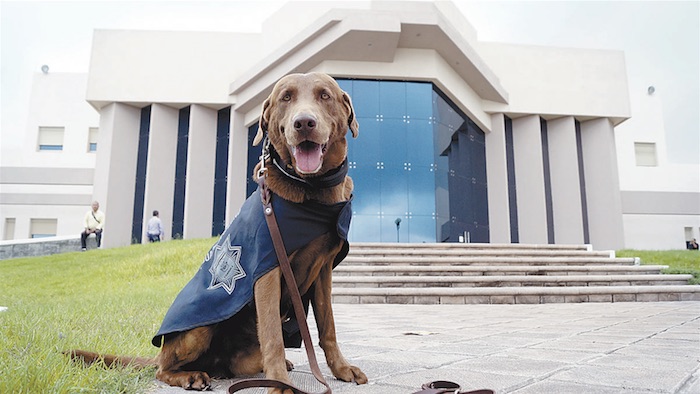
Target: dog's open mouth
(309,157)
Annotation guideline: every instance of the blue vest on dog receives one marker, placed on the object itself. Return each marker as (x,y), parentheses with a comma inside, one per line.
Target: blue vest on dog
(223,285)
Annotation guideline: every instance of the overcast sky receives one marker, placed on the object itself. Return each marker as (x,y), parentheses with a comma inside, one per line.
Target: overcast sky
(661,41)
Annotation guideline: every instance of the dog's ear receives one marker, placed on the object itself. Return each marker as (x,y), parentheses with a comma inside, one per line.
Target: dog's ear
(352,122)
(263,122)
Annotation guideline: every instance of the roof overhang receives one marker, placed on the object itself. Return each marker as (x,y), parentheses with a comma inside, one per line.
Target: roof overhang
(364,36)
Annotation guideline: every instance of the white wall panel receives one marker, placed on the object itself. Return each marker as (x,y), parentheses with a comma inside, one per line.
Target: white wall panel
(160,169)
(201,161)
(564,175)
(237,165)
(497,180)
(529,180)
(115,171)
(659,232)
(602,184)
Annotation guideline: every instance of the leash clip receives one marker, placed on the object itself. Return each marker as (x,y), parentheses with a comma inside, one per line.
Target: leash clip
(262,175)
(262,172)
(264,155)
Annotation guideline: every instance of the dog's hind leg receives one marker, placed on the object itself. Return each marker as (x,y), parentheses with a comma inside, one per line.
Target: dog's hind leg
(180,350)
(267,303)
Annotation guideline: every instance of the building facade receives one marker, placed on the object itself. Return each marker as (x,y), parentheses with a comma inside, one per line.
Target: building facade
(46,186)
(460,140)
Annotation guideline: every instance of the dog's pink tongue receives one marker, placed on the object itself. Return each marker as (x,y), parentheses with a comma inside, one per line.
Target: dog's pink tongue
(308,157)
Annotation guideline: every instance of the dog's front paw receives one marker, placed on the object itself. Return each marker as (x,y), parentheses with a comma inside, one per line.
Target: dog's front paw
(196,380)
(188,380)
(350,373)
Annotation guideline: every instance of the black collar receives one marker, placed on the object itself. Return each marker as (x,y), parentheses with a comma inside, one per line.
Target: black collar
(331,178)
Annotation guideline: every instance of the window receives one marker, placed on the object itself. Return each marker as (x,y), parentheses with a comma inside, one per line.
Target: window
(645,154)
(50,138)
(42,228)
(688,233)
(9,232)
(92,139)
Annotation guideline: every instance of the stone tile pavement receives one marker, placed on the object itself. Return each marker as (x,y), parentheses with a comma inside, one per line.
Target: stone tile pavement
(634,347)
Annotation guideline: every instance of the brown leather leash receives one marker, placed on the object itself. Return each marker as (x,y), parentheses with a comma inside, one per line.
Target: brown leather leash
(299,311)
(437,387)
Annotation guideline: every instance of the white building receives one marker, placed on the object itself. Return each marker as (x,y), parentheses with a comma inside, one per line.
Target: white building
(46,187)
(660,199)
(495,142)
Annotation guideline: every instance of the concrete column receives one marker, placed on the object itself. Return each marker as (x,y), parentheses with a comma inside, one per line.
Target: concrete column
(497,180)
(237,165)
(564,175)
(529,180)
(115,171)
(602,184)
(160,170)
(201,163)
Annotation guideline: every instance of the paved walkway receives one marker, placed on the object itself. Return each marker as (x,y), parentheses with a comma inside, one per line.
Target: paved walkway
(635,347)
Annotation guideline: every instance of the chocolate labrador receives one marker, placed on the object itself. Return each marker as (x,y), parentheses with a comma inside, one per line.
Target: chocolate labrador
(234,317)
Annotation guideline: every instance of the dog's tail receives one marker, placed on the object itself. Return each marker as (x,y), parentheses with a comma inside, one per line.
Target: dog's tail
(110,360)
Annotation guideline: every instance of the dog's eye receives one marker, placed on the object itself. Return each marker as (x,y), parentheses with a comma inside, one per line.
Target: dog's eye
(287,97)
(325,96)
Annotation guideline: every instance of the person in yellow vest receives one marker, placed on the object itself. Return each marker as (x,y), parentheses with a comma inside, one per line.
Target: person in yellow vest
(94,222)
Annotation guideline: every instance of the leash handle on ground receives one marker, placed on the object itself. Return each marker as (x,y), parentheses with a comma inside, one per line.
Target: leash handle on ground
(447,387)
(299,311)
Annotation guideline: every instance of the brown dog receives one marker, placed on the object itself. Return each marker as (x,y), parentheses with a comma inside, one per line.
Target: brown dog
(306,118)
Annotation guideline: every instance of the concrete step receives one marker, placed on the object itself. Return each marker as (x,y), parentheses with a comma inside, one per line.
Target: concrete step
(499,273)
(508,281)
(462,252)
(479,252)
(487,261)
(464,246)
(479,270)
(514,295)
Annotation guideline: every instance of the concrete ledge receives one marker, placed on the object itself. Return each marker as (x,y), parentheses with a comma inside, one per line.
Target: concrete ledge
(42,246)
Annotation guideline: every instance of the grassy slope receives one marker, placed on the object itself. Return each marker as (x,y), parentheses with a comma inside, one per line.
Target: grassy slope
(678,261)
(103,300)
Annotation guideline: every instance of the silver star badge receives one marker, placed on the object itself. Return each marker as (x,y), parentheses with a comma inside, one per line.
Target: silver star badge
(226,267)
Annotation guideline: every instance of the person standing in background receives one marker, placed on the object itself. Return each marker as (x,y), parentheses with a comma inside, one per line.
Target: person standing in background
(93,223)
(155,228)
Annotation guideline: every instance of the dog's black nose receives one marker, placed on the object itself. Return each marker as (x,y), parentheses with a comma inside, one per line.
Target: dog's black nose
(304,124)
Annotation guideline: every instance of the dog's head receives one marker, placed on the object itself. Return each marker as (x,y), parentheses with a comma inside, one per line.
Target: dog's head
(306,118)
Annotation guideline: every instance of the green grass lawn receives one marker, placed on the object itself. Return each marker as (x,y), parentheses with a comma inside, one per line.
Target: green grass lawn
(109,301)
(113,301)
(678,261)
